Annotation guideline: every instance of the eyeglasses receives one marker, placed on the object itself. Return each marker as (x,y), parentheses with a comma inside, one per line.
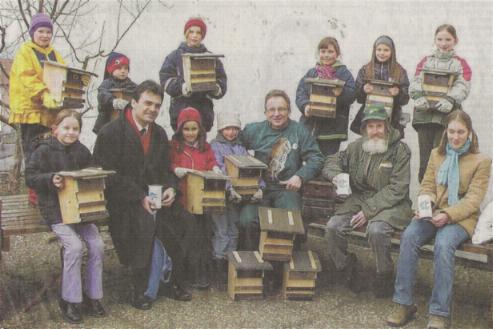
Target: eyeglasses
(274,110)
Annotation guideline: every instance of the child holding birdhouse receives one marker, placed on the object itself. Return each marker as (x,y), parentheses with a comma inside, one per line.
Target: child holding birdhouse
(59,152)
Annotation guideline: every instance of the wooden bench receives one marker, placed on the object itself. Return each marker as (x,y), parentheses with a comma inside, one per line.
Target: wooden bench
(18,217)
(316,213)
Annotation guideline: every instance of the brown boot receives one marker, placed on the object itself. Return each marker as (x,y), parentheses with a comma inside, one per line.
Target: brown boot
(401,315)
(437,322)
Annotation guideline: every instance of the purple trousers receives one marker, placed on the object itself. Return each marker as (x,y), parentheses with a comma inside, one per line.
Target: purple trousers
(72,238)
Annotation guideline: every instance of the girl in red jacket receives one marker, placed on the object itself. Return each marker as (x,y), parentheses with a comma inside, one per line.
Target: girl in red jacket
(190,150)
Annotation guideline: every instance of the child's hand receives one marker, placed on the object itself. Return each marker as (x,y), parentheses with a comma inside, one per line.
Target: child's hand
(307,110)
(234,196)
(444,106)
(257,197)
(119,103)
(394,91)
(217,170)
(181,172)
(57,181)
(421,104)
(367,88)
(337,92)
(185,90)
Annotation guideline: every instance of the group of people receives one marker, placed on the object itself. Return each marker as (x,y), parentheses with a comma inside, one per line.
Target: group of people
(166,243)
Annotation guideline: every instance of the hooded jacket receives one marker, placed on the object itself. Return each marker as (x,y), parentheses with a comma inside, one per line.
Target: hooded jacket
(26,82)
(391,70)
(49,157)
(379,182)
(326,128)
(172,78)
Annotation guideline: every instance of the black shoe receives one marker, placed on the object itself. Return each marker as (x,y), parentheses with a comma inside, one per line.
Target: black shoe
(201,281)
(93,307)
(180,293)
(383,287)
(141,302)
(70,312)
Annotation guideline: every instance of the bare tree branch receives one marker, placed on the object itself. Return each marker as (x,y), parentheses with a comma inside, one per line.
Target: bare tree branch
(41,5)
(21,10)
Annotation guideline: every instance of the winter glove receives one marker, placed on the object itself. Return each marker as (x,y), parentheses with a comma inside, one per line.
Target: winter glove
(217,170)
(444,106)
(181,172)
(257,196)
(185,90)
(119,103)
(421,104)
(49,102)
(234,196)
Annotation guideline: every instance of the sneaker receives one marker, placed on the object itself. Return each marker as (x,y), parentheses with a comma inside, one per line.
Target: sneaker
(437,322)
(401,315)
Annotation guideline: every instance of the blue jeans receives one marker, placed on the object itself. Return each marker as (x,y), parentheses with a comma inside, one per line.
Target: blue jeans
(447,239)
(160,269)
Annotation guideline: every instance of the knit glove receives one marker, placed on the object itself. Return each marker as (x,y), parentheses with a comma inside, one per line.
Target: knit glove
(181,172)
(119,103)
(421,103)
(217,91)
(257,196)
(49,102)
(444,106)
(185,90)
(234,196)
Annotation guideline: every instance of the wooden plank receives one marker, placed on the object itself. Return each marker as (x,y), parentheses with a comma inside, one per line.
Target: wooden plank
(293,283)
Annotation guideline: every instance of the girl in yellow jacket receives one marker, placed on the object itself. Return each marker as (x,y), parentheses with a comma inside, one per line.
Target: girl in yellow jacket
(28,92)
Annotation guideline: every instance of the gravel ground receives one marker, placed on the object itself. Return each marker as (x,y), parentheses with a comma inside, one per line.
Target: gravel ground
(34,259)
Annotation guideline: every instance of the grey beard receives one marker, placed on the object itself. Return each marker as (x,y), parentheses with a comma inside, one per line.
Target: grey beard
(375,146)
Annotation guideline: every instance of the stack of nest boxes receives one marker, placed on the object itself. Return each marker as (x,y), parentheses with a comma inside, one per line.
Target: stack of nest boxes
(318,201)
(67,85)
(278,229)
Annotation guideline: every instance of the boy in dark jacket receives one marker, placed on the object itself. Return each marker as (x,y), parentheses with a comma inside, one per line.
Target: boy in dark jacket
(173,82)
(115,77)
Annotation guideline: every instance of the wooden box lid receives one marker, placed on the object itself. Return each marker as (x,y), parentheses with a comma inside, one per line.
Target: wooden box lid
(246,161)
(326,82)
(208,175)
(202,55)
(438,72)
(281,220)
(304,261)
(248,260)
(382,82)
(87,173)
(73,69)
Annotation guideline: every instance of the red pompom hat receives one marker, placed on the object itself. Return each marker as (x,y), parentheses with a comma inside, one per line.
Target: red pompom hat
(196,21)
(188,114)
(115,60)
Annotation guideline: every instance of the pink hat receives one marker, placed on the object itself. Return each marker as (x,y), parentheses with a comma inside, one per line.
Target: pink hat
(39,20)
(188,114)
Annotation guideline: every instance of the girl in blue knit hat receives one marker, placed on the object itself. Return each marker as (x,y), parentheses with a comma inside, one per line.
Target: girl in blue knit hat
(115,77)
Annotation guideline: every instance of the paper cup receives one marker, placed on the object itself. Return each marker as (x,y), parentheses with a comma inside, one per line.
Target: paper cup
(424,207)
(342,188)
(155,194)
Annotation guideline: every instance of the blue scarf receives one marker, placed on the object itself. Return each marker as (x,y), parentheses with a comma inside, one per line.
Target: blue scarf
(448,174)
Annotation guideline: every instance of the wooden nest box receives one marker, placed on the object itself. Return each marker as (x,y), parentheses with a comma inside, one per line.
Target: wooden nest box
(67,85)
(300,275)
(436,84)
(245,172)
(245,275)
(318,200)
(82,196)
(323,101)
(381,95)
(278,228)
(199,71)
(205,192)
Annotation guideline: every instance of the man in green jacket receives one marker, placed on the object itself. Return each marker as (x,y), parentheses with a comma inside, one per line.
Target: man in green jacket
(378,165)
(292,156)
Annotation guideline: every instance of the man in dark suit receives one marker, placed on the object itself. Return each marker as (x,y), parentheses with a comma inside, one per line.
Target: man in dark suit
(137,149)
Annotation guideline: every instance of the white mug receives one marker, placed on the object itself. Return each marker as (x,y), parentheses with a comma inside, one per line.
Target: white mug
(342,185)
(424,207)
(155,194)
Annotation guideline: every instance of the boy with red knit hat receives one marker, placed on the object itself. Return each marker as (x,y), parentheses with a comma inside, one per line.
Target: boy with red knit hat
(115,77)
(173,81)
